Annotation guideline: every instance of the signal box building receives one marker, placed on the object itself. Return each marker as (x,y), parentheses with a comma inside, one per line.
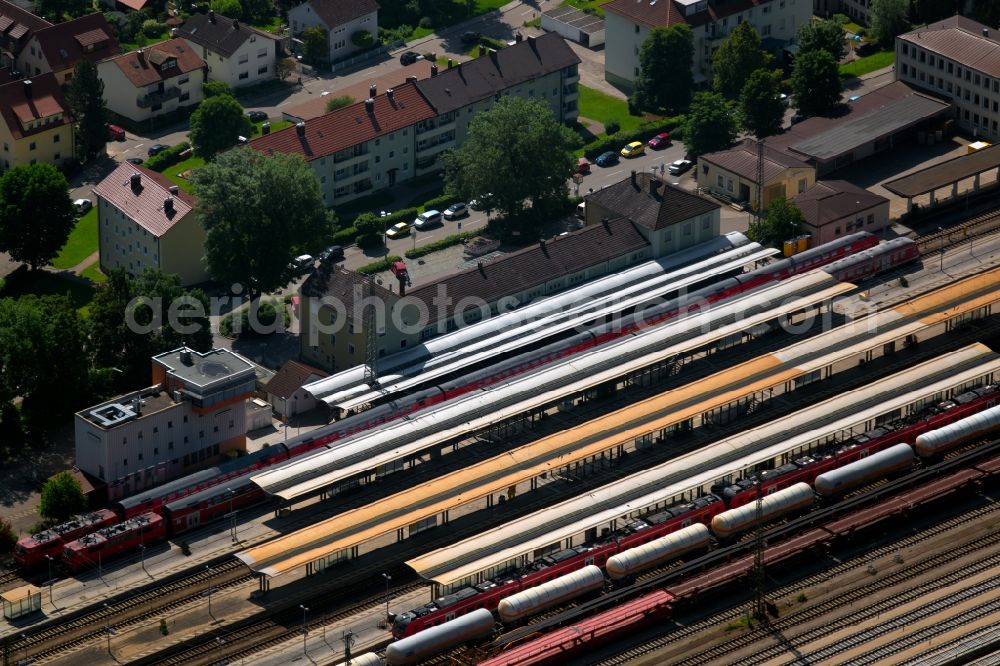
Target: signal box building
(192,416)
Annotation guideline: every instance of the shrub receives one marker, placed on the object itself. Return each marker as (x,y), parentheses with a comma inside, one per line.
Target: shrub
(612,126)
(335,103)
(903,282)
(841,19)
(378,266)
(402,215)
(153,28)
(345,236)
(168,157)
(163,627)
(185,548)
(267,314)
(642,133)
(362,39)
(439,202)
(213,88)
(425,22)
(802,598)
(7,537)
(446,242)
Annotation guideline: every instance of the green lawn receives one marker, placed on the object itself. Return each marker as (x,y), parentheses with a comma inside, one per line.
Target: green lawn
(81,244)
(272,24)
(868,64)
(94,274)
(162,37)
(173,173)
(275,126)
(41,283)
(588,4)
(852,28)
(604,108)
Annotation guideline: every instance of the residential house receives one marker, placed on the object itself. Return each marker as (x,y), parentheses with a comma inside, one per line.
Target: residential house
(668,217)
(236,54)
(193,414)
(36,123)
(145,221)
(629,22)
(153,81)
(397,135)
(835,208)
(17,27)
(957,59)
(731,174)
(60,47)
(285,392)
(332,328)
(340,19)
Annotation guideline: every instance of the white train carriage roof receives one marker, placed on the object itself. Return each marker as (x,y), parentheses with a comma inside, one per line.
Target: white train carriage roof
(565,321)
(455,418)
(351,382)
(695,472)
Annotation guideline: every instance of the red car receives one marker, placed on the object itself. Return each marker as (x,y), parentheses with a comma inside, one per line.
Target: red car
(582,166)
(661,140)
(115,133)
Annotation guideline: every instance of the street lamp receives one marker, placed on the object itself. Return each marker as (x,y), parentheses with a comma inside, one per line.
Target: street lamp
(941,229)
(209,591)
(387,578)
(25,637)
(51,580)
(304,611)
(219,642)
(232,514)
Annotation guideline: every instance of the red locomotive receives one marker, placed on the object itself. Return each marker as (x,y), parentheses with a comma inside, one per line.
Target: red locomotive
(30,551)
(109,542)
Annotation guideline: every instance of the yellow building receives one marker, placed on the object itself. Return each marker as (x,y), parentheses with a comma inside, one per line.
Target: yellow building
(36,126)
(732,174)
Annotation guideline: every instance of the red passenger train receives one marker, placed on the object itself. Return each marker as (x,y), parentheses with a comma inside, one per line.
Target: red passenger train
(31,551)
(108,542)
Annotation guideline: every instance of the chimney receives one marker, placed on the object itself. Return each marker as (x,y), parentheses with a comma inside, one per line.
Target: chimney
(633,179)
(482,268)
(137,406)
(986,32)
(541,244)
(531,40)
(141,55)
(370,106)
(300,129)
(265,127)
(173,189)
(654,186)
(372,90)
(451,63)
(211,16)
(388,94)
(518,37)
(606,222)
(434,70)
(27,88)
(493,57)
(168,206)
(411,79)
(236,24)
(185,357)
(136,182)
(482,50)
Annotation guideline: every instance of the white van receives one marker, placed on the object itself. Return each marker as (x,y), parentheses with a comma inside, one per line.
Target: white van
(581,210)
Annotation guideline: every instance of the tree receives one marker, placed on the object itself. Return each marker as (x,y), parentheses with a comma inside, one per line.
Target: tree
(929,11)
(57,10)
(130,321)
(338,102)
(761,109)
(216,88)
(516,137)
(314,45)
(824,35)
(710,124)
(782,222)
(36,213)
(62,497)
(738,56)
(284,67)
(986,12)
(259,211)
(8,538)
(254,10)
(665,80)
(888,20)
(228,8)
(370,228)
(217,124)
(85,96)
(816,83)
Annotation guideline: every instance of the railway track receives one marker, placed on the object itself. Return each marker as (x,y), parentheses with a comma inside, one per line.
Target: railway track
(74,631)
(9,579)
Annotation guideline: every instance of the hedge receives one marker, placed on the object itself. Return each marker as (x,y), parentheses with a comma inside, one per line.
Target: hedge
(345,236)
(404,215)
(168,157)
(642,133)
(378,266)
(446,242)
(440,202)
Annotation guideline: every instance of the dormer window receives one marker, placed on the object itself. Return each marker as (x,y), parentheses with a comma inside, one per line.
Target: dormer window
(168,64)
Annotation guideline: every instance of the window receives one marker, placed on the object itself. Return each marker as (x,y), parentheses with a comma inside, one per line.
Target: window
(871,218)
(765,31)
(55,139)
(261,53)
(951,68)
(729,184)
(720,181)
(243,59)
(837,231)
(31,146)
(244,75)
(262,70)
(215,429)
(636,32)
(140,455)
(124,462)
(184,79)
(802,185)
(184,97)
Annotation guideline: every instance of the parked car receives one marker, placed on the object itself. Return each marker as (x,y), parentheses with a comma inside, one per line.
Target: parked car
(134,160)
(677,167)
(582,166)
(633,149)
(115,133)
(333,252)
(455,211)
(607,159)
(256,116)
(398,230)
(427,219)
(82,205)
(156,149)
(409,57)
(661,140)
(301,263)
(479,202)
(470,37)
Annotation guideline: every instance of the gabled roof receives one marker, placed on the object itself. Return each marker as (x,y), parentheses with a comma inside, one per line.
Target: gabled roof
(18,24)
(145,66)
(219,34)
(488,75)
(651,202)
(45,99)
(742,161)
(88,37)
(291,377)
(350,125)
(961,39)
(339,12)
(145,205)
(665,13)
(831,200)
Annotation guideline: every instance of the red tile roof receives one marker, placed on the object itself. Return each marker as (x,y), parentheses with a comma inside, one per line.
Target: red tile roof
(350,126)
(650,14)
(831,200)
(339,12)
(142,67)
(65,44)
(16,22)
(145,205)
(291,377)
(960,39)
(45,100)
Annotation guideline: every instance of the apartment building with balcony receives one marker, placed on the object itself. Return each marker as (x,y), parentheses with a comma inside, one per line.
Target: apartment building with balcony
(629,22)
(957,59)
(35,123)
(153,81)
(400,133)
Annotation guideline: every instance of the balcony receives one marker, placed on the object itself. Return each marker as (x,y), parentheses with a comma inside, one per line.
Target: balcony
(158,97)
(351,153)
